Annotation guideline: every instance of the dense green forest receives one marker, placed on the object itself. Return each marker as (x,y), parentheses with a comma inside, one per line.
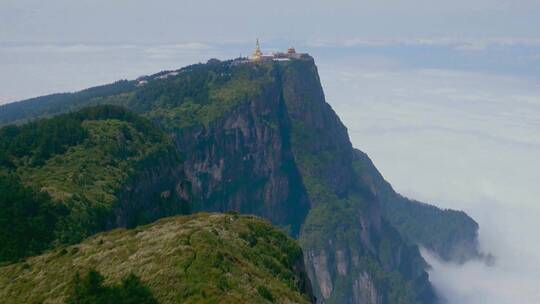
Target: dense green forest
(60,177)
(27,219)
(35,142)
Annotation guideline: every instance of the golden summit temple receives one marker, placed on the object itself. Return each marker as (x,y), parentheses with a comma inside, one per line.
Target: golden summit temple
(258,55)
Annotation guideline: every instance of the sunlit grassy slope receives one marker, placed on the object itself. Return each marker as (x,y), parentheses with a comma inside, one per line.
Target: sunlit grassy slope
(202,258)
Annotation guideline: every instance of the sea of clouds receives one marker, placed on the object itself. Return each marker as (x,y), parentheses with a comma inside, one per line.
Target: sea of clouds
(467,140)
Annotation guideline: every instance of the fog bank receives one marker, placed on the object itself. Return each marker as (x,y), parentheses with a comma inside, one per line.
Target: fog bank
(458,139)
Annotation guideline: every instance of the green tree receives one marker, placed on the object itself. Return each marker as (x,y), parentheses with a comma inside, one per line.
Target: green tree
(132,291)
(90,290)
(27,219)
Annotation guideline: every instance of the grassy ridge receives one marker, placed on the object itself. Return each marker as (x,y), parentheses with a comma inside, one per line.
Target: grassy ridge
(203,258)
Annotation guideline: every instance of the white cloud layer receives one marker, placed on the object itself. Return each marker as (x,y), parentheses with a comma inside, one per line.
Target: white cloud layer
(461,43)
(461,140)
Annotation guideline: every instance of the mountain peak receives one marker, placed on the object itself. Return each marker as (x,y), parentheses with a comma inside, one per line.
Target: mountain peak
(251,135)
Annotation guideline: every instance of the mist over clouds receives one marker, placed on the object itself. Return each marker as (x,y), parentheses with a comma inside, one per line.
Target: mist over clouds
(443,95)
(458,139)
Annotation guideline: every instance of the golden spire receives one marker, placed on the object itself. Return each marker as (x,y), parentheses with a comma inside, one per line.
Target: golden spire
(291,51)
(257,54)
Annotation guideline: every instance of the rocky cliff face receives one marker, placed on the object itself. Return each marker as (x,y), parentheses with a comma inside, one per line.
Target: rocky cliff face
(352,253)
(243,162)
(157,188)
(285,155)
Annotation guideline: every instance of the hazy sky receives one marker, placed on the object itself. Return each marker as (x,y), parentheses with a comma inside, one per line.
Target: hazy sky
(173,21)
(443,95)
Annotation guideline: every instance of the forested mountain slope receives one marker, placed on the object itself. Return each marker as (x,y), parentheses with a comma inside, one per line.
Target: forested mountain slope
(68,177)
(257,138)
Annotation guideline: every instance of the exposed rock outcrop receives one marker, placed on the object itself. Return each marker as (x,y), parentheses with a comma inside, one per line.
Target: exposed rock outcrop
(285,155)
(364,291)
(243,162)
(157,189)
